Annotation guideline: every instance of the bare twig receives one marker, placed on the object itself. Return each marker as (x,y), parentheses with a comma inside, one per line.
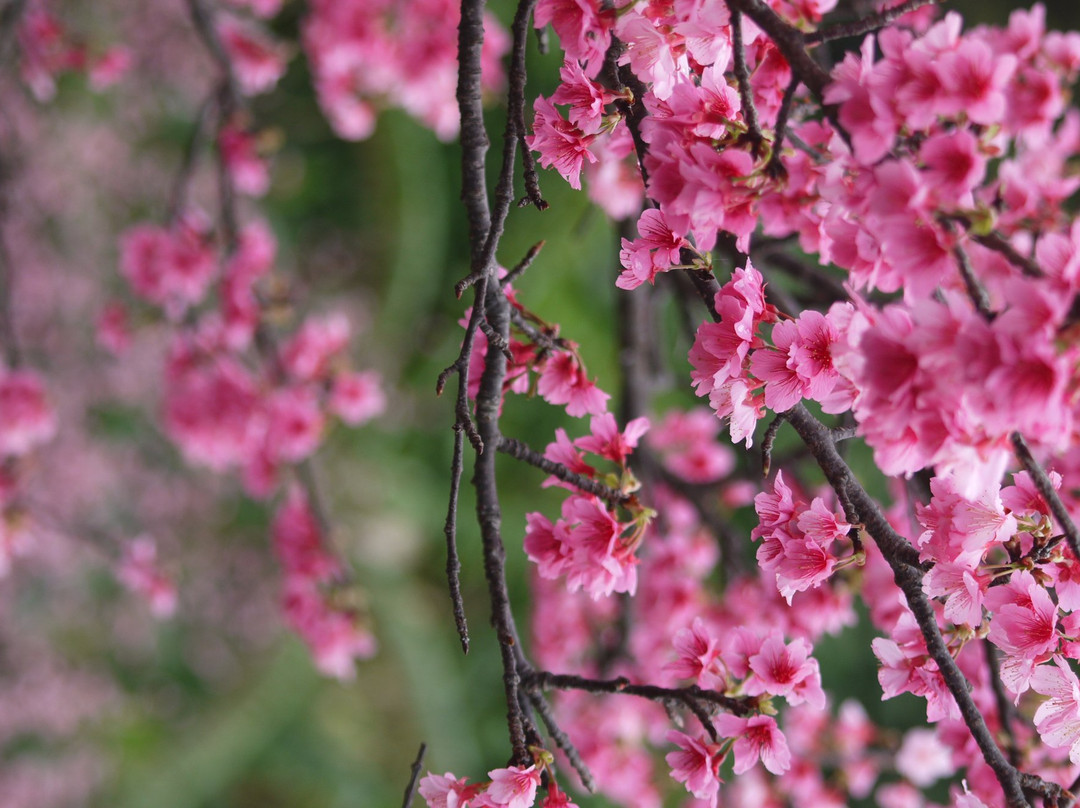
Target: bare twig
(453,563)
(1046,488)
(523,264)
(562,740)
(746,93)
(866,24)
(775,166)
(410,789)
(520,451)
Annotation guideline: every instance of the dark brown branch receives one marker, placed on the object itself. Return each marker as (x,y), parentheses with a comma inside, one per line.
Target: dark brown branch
(453,563)
(545,680)
(789,40)
(1006,711)
(767,443)
(975,289)
(866,24)
(746,93)
(995,242)
(562,740)
(907,573)
(490,302)
(410,789)
(520,451)
(775,166)
(523,264)
(1046,488)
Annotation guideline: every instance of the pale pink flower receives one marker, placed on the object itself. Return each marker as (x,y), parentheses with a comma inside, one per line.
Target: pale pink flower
(446,791)
(756,738)
(1058,718)
(699,656)
(786,670)
(607,441)
(257,60)
(697,764)
(356,398)
(514,787)
(139,572)
(655,250)
(923,758)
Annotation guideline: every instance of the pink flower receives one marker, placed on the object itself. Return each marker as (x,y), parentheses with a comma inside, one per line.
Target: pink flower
(697,764)
(318,342)
(607,441)
(1058,718)
(584,29)
(27,420)
(171,268)
(699,656)
(257,60)
(357,397)
(562,381)
(139,572)
(687,443)
(446,791)
(113,328)
(247,169)
(756,738)
(514,787)
(296,424)
(561,144)
(655,250)
(788,671)
(923,758)
(1025,618)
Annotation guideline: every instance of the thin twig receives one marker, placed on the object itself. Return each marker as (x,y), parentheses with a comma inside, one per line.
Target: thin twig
(520,451)
(975,290)
(523,264)
(746,93)
(767,443)
(562,740)
(453,563)
(775,167)
(1006,711)
(867,24)
(410,789)
(1046,488)
(546,680)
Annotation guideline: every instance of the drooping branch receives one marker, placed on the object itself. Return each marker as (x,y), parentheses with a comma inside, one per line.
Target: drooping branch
(908,573)
(490,302)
